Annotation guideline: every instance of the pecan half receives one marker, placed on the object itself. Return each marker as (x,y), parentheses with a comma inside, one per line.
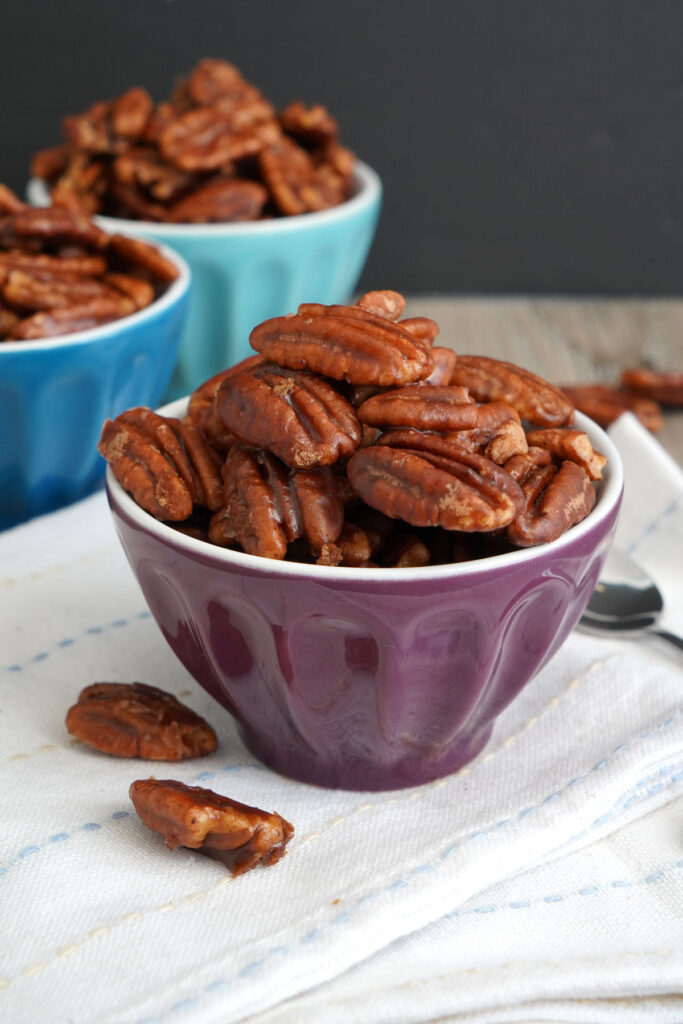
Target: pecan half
(385,303)
(492,380)
(207,138)
(140,293)
(212,79)
(422,328)
(427,481)
(444,361)
(201,409)
(131,112)
(266,506)
(237,835)
(34,291)
(166,465)
(666,388)
(295,414)
(605,404)
(136,720)
(54,266)
(56,224)
(53,323)
(310,126)
(498,433)
(143,167)
(570,444)
(225,199)
(143,256)
(345,343)
(555,500)
(424,408)
(292,178)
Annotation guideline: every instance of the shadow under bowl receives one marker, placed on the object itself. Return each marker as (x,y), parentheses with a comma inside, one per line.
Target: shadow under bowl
(245,273)
(55,394)
(366,679)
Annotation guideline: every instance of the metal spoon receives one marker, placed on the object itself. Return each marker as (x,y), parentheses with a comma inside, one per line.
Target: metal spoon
(625,601)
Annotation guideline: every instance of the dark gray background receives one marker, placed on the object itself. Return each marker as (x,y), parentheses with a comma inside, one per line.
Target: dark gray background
(525,145)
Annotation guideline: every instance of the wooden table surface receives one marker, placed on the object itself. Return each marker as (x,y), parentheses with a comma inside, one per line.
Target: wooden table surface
(567,340)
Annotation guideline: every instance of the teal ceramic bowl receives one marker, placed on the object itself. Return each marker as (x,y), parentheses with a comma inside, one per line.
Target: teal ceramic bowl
(245,273)
(56,393)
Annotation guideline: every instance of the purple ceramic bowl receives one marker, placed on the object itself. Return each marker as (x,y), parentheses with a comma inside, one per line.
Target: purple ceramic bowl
(366,678)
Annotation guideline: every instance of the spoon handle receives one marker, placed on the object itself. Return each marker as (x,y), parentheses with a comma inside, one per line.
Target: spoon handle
(677,641)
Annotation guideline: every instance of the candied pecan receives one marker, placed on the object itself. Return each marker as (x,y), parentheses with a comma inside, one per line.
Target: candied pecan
(605,404)
(555,500)
(492,380)
(143,167)
(573,445)
(49,163)
(294,414)
(666,388)
(57,224)
(9,202)
(385,303)
(292,179)
(28,291)
(225,199)
(444,361)
(140,293)
(166,465)
(524,464)
(377,527)
(424,408)
(90,130)
(212,79)
(497,434)
(354,545)
(423,329)
(345,343)
(205,138)
(54,266)
(404,551)
(131,201)
(53,323)
(143,256)
(201,409)
(136,720)
(237,835)
(81,185)
(131,112)
(310,126)
(427,481)
(267,506)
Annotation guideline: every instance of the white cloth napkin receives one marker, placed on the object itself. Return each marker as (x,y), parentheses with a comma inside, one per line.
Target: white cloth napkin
(541,882)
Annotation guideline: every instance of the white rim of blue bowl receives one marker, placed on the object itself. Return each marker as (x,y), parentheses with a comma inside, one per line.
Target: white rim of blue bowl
(368,189)
(174,291)
(609,491)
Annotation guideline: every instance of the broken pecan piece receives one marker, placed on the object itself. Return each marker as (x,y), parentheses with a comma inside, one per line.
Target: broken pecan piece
(666,388)
(605,404)
(497,434)
(570,444)
(266,506)
(237,835)
(345,343)
(136,720)
(492,380)
(555,500)
(427,481)
(294,414)
(166,465)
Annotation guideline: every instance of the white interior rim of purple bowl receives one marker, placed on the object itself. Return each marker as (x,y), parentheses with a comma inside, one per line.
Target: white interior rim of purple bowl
(608,495)
(366,182)
(168,298)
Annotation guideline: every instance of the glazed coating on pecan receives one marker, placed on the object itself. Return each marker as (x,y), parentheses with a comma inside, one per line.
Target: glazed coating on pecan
(666,388)
(167,465)
(215,151)
(296,414)
(345,343)
(60,273)
(239,836)
(605,404)
(425,408)
(266,506)
(493,380)
(136,720)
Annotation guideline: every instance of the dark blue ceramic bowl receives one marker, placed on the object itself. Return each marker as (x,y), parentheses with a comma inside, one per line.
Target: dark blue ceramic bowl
(366,678)
(56,393)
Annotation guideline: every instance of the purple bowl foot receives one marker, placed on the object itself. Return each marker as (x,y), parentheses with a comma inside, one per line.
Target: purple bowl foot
(359,775)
